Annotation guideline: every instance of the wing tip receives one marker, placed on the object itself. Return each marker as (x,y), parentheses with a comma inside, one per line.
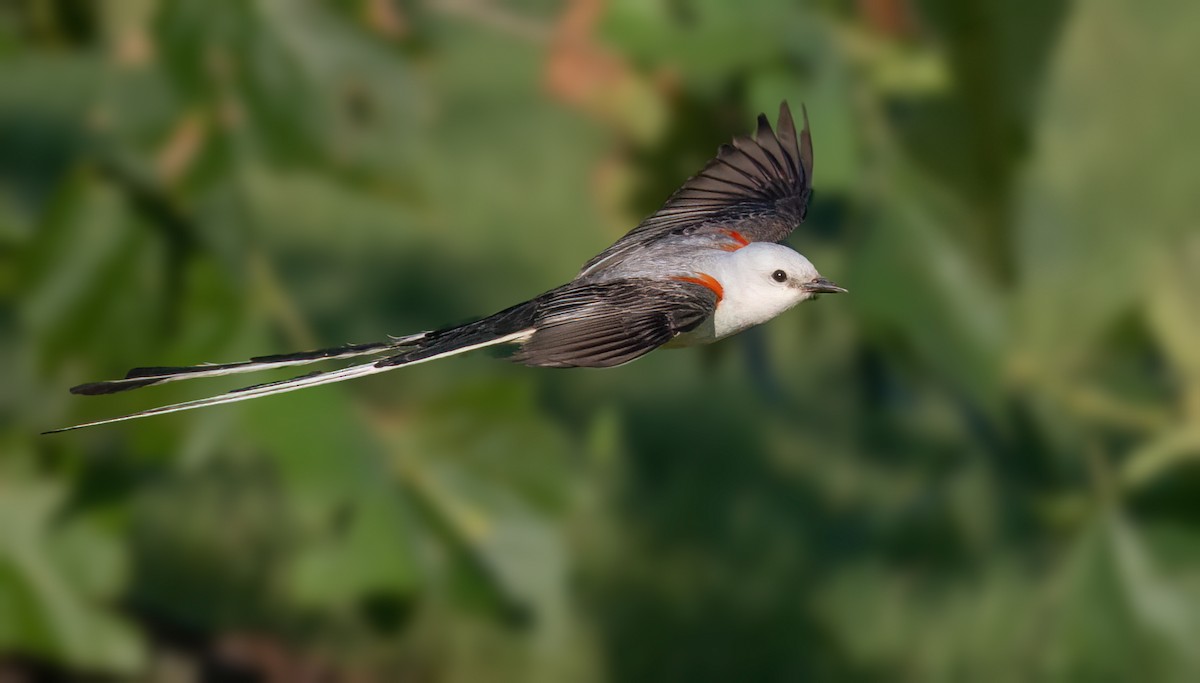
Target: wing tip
(801,143)
(764,130)
(785,114)
(787,122)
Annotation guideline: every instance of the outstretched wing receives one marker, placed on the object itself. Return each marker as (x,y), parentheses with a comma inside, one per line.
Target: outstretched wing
(757,187)
(600,325)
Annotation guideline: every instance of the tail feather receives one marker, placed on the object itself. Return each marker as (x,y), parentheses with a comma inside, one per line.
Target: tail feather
(243,394)
(448,346)
(148,376)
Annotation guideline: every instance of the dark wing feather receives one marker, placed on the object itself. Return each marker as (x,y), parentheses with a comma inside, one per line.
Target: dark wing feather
(604,324)
(758,186)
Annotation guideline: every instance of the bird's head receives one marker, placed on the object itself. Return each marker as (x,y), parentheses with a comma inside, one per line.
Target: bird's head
(765,279)
(775,271)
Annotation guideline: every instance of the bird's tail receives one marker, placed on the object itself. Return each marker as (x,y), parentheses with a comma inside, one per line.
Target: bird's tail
(510,326)
(148,376)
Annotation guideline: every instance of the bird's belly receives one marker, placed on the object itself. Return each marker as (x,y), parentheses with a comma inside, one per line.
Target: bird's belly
(702,334)
(718,326)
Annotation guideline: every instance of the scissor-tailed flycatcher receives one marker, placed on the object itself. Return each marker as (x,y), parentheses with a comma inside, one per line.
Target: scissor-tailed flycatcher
(703,267)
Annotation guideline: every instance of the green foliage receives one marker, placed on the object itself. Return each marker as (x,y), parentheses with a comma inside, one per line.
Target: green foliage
(981,464)
(55,578)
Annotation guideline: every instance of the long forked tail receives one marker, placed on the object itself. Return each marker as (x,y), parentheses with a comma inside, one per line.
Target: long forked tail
(411,350)
(144,377)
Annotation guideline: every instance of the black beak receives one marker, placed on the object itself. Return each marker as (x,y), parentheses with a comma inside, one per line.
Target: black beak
(822,286)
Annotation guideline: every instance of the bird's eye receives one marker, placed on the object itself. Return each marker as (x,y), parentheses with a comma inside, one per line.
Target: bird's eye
(779,276)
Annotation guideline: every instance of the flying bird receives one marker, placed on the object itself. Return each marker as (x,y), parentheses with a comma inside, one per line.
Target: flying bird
(703,267)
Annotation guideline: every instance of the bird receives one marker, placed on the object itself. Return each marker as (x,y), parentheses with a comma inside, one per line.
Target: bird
(705,266)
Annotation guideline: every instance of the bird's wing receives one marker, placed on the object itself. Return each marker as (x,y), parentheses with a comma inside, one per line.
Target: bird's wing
(757,187)
(610,323)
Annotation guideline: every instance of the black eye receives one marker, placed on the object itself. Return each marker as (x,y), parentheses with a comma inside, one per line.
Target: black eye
(779,276)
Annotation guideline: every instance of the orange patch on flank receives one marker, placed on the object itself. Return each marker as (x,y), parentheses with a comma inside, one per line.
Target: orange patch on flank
(705,280)
(738,238)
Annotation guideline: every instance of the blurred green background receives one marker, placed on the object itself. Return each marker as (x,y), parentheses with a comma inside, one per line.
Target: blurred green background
(981,464)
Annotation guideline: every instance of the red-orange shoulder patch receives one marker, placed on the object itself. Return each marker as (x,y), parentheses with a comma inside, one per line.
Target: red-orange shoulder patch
(705,280)
(739,240)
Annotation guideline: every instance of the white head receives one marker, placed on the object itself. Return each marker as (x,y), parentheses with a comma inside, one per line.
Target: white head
(762,280)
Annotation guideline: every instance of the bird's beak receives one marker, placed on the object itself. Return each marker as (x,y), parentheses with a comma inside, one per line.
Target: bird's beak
(821,286)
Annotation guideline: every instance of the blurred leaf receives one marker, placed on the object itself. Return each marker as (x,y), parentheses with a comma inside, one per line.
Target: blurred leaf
(973,136)
(260,58)
(372,557)
(1164,452)
(1091,220)
(360,539)
(55,575)
(298,208)
(208,539)
(87,252)
(44,106)
(1176,318)
(493,431)
(1117,618)
(913,279)
(706,40)
(898,68)
(1105,614)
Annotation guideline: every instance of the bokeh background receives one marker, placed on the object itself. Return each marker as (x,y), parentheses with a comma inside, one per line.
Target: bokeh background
(981,464)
